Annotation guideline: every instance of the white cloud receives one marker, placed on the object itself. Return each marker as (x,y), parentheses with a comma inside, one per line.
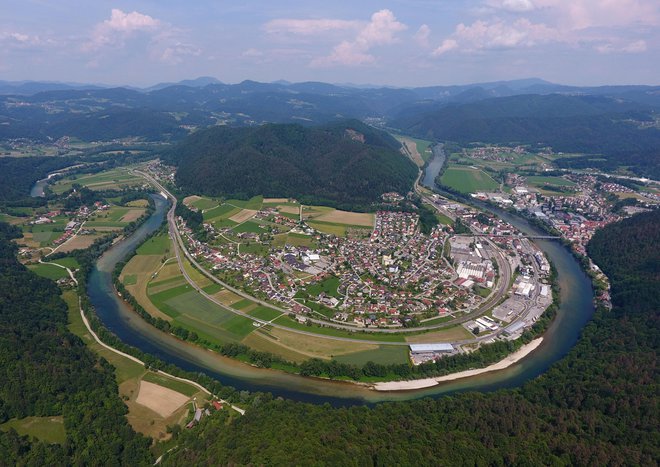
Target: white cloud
(21,40)
(630,48)
(161,41)
(174,53)
(381,30)
(129,22)
(309,27)
(485,35)
(516,6)
(446,46)
(422,35)
(118,28)
(581,14)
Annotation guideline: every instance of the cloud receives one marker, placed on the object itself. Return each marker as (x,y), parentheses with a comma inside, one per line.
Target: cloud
(252,52)
(446,46)
(20,40)
(381,30)
(630,48)
(173,53)
(309,27)
(162,41)
(486,35)
(422,35)
(581,14)
(516,6)
(129,22)
(118,28)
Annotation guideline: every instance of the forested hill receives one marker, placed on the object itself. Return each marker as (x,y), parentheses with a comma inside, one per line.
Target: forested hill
(347,165)
(623,131)
(47,371)
(597,406)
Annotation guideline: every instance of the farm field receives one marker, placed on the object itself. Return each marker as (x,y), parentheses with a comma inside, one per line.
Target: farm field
(129,376)
(156,245)
(116,216)
(49,271)
(467,179)
(79,242)
(68,262)
(512,163)
(114,179)
(422,146)
(348,218)
(445,335)
(543,180)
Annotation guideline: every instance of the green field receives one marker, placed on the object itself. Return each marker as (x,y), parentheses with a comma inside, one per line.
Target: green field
(338,230)
(384,354)
(68,262)
(252,203)
(293,324)
(422,146)
(106,180)
(467,179)
(49,271)
(130,279)
(329,286)
(224,211)
(48,429)
(205,203)
(156,245)
(174,385)
(196,313)
(443,219)
(556,181)
(294,240)
(265,313)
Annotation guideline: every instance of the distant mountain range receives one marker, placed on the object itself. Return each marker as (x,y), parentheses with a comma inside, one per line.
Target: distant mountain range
(607,120)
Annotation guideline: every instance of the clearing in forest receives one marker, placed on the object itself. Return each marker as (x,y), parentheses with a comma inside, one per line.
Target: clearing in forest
(160,399)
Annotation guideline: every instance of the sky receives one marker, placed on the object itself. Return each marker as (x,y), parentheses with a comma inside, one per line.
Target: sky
(395,43)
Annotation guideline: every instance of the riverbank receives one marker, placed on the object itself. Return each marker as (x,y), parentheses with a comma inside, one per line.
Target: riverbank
(429,382)
(576,308)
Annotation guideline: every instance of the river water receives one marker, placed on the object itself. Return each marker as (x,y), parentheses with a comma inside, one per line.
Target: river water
(575,310)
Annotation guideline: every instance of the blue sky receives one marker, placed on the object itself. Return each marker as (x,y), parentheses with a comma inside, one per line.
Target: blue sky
(399,43)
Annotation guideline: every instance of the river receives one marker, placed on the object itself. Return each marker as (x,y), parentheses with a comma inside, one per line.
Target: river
(575,310)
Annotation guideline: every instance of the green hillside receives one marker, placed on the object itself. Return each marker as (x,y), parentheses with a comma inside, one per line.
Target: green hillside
(347,165)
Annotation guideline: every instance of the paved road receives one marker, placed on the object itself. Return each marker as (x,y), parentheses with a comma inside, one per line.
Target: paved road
(131,357)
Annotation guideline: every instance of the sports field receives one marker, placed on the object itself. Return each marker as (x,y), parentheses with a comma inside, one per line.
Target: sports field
(543,180)
(468,179)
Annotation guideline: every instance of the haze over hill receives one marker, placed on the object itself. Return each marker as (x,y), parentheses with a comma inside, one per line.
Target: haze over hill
(617,122)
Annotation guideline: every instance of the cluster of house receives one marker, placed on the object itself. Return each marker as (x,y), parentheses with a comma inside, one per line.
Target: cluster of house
(386,279)
(199,413)
(495,153)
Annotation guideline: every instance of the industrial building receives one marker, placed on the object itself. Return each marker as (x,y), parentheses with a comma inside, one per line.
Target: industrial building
(420,353)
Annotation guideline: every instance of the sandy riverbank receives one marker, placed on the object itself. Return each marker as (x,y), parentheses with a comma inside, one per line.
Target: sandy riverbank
(428,382)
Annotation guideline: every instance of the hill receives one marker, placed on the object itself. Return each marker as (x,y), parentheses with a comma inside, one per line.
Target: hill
(623,131)
(347,165)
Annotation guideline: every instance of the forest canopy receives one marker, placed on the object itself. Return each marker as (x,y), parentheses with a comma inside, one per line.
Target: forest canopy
(347,165)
